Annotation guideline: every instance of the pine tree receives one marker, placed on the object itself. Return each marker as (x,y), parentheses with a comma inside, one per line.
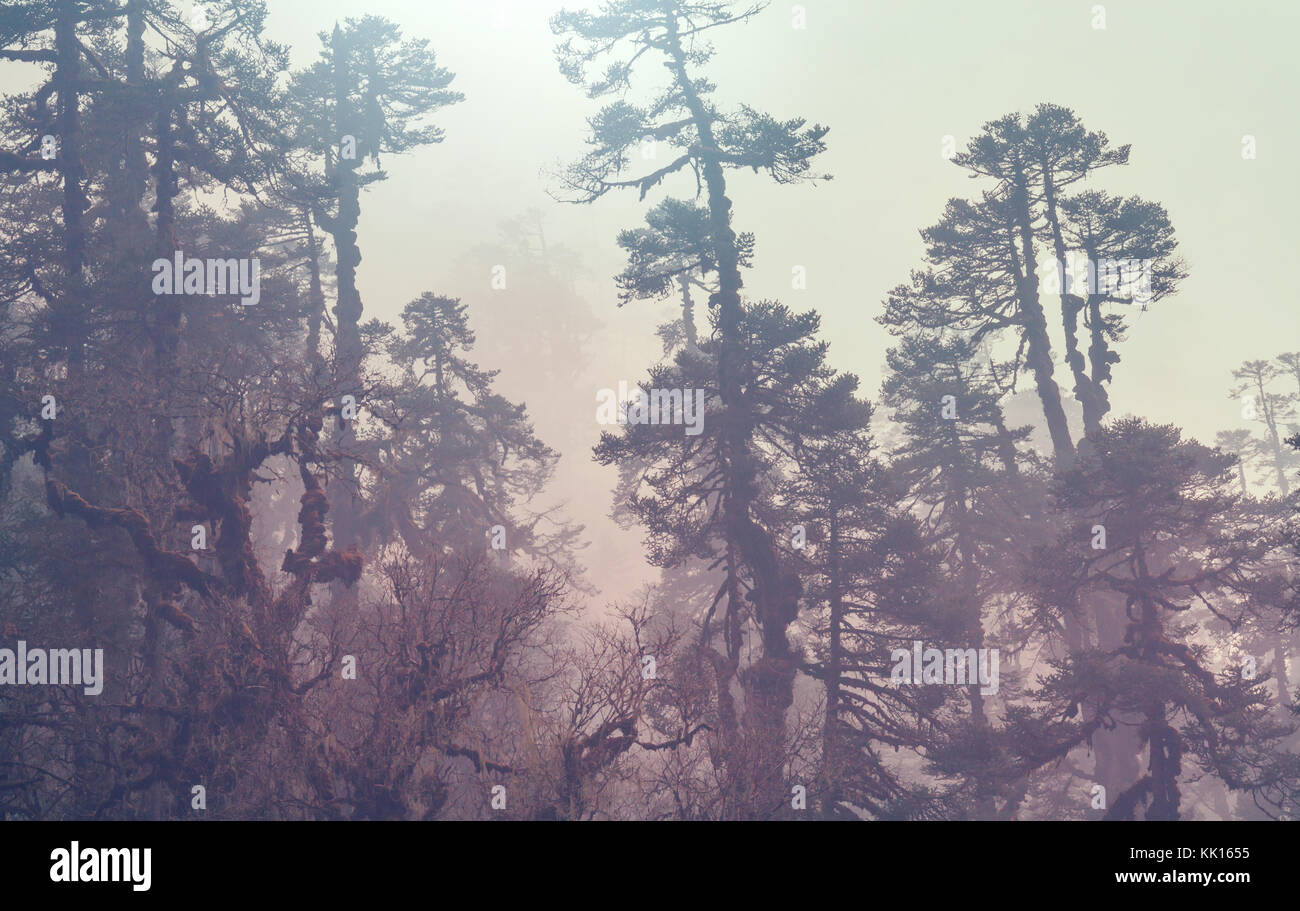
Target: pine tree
(1260,403)
(456,457)
(1178,552)
(369,95)
(684,118)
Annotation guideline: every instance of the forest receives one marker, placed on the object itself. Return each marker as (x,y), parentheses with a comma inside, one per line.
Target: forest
(265,555)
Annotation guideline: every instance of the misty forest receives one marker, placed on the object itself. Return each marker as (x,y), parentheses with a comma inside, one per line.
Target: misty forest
(321,554)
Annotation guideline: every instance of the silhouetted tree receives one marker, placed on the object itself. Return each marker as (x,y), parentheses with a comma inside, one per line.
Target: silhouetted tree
(684,117)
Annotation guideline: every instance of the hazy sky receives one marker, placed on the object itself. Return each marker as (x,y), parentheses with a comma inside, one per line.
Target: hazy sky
(1181,81)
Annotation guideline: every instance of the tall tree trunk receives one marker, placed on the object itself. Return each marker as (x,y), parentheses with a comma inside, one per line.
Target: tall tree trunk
(970,591)
(68,77)
(1115,751)
(67,80)
(1274,441)
(769,681)
(1071,306)
(1100,355)
(834,660)
(688,315)
(1165,748)
(166,319)
(130,233)
(347,309)
(1038,354)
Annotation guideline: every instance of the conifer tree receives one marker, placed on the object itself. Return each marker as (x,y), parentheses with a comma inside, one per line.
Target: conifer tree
(684,118)
(1179,553)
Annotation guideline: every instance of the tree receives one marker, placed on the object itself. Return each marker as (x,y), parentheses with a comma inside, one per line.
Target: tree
(989,259)
(794,401)
(868,576)
(1270,409)
(367,96)
(187,432)
(993,261)
(979,500)
(454,458)
(1177,551)
(1238,443)
(707,141)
